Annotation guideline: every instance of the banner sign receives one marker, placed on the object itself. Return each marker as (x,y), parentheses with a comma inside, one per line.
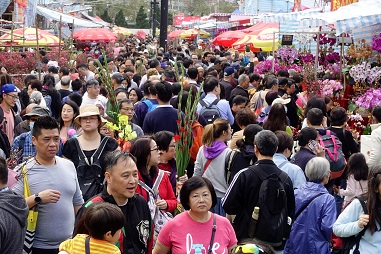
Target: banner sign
(336,4)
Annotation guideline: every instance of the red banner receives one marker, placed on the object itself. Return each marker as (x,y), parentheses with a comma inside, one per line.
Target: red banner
(336,4)
(180,18)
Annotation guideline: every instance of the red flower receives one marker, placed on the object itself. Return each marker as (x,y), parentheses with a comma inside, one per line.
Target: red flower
(177,138)
(178,121)
(182,129)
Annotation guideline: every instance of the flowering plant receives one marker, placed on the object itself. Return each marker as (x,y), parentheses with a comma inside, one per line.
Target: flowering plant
(359,52)
(370,99)
(325,39)
(287,54)
(364,72)
(330,87)
(376,43)
(307,58)
(356,125)
(184,139)
(125,132)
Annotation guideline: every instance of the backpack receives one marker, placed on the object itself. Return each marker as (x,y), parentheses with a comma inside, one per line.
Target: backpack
(229,160)
(151,106)
(159,217)
(210,112)
(343,245)
(90,174)
(333,153)
(272,225)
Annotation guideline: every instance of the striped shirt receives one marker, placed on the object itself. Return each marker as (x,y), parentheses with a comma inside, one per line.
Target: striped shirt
(77,245)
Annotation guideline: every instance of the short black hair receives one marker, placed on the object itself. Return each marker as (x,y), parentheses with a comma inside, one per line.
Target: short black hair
(163,139)
(307,134)
(192,73)
(239,99)
(76,84)
(315,116)
(270,97)
(254,77)
(64,70)
(154,63)
(245,117)
(187,63)
(76,98)
(149,88)
(164,91)
(192,184)
(35,84)
(284,141)
(3,171)
(102,217)
(29,78)
(44,122)
(176,88)
(283,74)
(42,52)
(338,116)
(53,69)
(210,83)
(83,65)
(377,113)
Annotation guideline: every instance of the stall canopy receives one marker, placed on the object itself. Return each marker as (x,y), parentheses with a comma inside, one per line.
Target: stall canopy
(55,15)
(27,37)
(261,38)
(347,18)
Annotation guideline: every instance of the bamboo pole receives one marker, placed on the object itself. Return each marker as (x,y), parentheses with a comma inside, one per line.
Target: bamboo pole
(37,50)
(60,38)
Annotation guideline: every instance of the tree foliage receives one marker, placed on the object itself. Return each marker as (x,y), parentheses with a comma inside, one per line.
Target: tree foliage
(120,19)
(106,17)
(141,19)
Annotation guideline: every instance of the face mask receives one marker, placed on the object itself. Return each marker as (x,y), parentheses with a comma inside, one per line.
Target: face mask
(31,124)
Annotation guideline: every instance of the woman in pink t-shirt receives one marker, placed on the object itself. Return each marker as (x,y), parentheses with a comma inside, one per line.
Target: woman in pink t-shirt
(191,232)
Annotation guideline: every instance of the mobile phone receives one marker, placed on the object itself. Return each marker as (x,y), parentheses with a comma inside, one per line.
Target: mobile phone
(312,144)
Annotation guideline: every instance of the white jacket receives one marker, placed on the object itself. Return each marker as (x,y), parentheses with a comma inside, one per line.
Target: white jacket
(375,150)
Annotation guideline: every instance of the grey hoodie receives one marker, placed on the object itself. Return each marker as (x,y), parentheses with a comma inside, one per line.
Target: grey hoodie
(13,216)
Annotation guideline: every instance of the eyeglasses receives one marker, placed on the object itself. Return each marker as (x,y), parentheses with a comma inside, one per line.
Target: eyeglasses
(89,118)
(128,109)
(155,149)
(14,97)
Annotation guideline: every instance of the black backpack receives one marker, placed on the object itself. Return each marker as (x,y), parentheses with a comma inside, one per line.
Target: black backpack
(90,174)
(272,225)
(210,112)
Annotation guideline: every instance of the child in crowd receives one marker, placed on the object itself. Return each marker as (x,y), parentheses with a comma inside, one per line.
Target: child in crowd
(357,175)
(104,222)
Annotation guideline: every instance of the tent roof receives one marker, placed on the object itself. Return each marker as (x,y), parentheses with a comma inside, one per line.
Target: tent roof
(349,17)
(52,14)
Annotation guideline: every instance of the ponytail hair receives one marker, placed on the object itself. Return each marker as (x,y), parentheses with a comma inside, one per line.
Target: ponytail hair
(214,130)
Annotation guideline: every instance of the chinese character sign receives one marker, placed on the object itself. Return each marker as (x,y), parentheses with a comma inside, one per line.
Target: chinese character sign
(336,4)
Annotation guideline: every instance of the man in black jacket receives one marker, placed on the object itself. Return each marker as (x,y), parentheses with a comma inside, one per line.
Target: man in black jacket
(122,179)
(243,193)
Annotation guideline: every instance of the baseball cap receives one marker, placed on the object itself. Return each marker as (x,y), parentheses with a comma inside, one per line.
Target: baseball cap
(8,88)
(229,71)
(281,101)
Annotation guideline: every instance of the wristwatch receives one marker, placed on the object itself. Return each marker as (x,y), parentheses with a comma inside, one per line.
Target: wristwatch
(37,199)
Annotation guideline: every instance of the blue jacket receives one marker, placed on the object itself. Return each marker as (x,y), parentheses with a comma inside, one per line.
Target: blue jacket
(311,231)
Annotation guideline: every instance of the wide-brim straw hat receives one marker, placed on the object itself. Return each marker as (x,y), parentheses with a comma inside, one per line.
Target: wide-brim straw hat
(87,110)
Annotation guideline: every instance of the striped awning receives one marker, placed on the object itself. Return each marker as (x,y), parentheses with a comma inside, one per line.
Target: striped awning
(348,18)
(283,17)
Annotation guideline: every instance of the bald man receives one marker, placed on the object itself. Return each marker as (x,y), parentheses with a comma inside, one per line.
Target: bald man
(24,125)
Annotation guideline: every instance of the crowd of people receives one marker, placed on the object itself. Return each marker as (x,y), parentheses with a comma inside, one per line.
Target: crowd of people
(259,179)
